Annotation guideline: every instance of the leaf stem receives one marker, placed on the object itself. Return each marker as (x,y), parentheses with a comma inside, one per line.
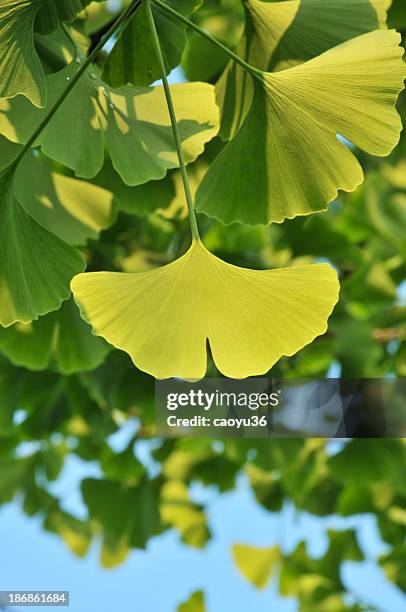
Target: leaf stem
(175,128)
(125,16)
(255,72)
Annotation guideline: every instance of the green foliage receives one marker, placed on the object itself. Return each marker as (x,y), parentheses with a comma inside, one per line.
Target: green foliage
(61,338)
(283,111)
(101,188)
(73,210)
(133,58)
(132,123)
(31,284)
(21,67)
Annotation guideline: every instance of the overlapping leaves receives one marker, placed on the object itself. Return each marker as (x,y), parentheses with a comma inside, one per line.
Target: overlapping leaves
(74,210)
(279,35)
(132,122)
(288,146)
(60,339)
(20,65)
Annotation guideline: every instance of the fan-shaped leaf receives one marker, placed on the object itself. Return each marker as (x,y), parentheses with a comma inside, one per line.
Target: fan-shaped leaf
(164,318)
(256,564)
(133,123)
(288,146)
(35,266)
(282,34)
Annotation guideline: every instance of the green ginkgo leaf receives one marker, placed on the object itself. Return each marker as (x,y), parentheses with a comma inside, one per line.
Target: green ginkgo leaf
(60,339)
(35,266)
(133,122)
(20,66)
(140,200)
(133,59)
(54,12)
(164,318)
(279,35)
(256,564)
(288,147)
(74,210)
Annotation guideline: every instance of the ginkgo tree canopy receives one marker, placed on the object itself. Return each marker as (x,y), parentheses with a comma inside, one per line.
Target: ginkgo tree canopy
(306,75)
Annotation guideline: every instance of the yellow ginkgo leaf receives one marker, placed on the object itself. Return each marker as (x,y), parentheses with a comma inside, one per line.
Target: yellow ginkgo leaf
(286,159)
(164,318)
(279,35)
(256,564)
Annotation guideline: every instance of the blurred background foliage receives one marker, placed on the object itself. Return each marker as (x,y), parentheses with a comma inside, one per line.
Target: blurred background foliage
(55,402)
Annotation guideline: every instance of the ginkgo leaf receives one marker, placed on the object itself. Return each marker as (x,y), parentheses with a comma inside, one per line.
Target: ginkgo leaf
(140,200)
(20,66)
(288,147)
(279,35)
(256,564)
(282,34)
(35,266)
(58,48)
(164,318)
(74,210)
(134,123)
(179,511)
(54,12)
(133,58)
(61,339)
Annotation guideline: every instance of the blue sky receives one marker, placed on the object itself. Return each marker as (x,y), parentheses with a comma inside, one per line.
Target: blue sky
(159,578)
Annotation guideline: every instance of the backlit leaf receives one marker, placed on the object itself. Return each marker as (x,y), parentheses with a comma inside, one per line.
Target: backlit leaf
(133,123)
(283,34)
(256,564)
(164,318)
(288,146)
